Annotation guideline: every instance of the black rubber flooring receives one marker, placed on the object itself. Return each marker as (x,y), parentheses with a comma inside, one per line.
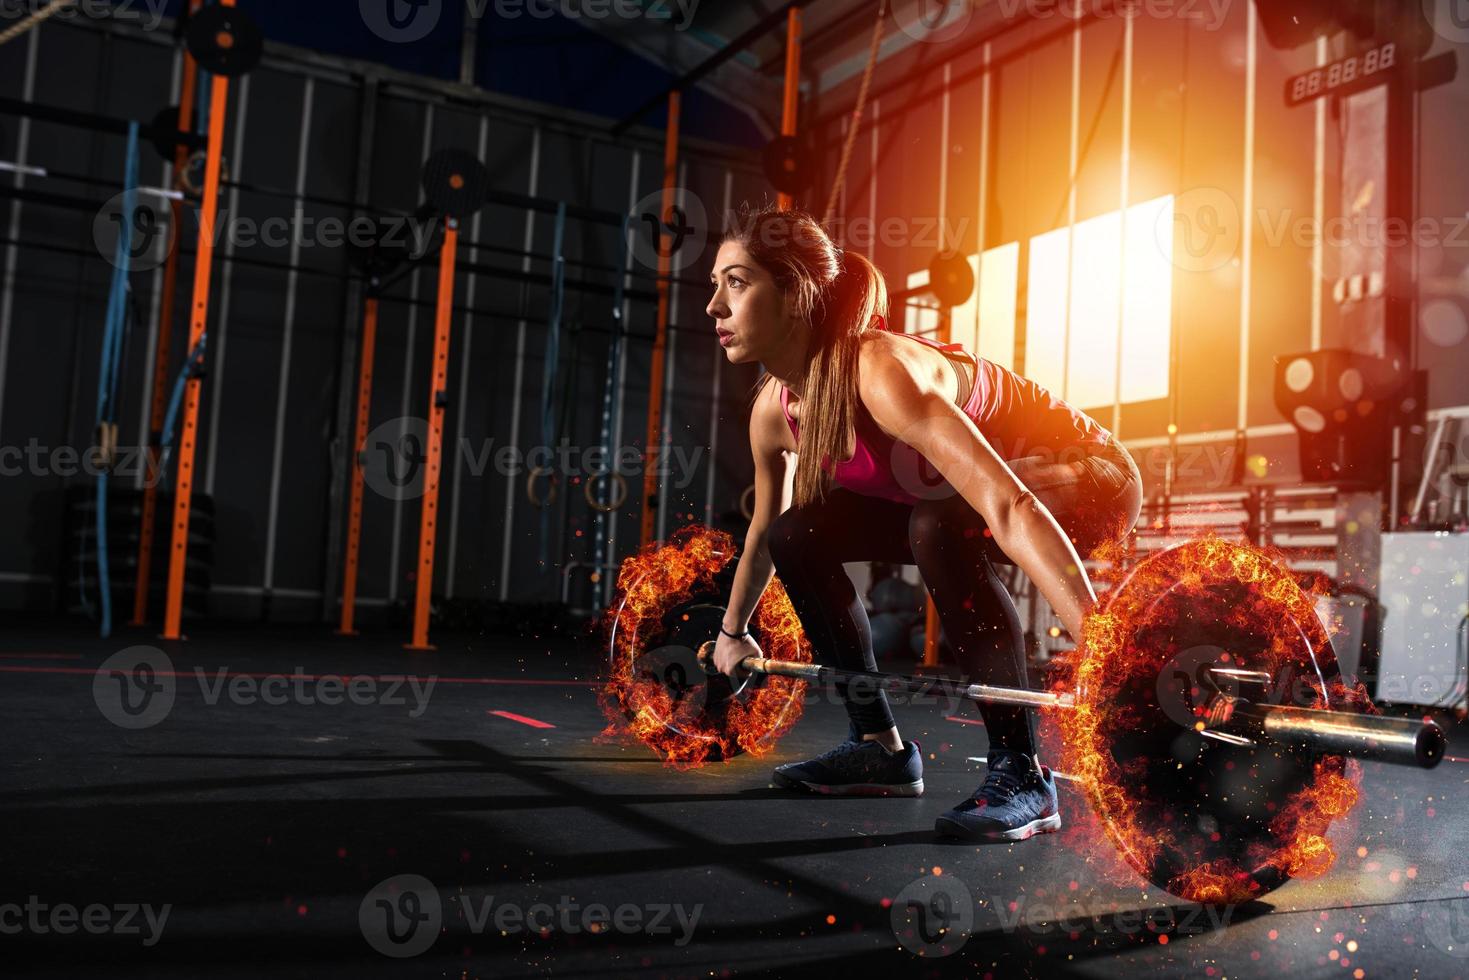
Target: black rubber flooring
(237,823)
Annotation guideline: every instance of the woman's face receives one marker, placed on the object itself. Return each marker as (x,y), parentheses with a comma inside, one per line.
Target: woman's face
(751,316)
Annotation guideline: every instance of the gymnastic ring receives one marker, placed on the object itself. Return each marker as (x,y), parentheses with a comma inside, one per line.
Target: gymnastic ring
(746,506)
(185,181)
(619,494)
(536,472)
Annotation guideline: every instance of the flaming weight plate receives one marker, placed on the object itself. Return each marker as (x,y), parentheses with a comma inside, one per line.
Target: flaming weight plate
(656,692)
(1208,819)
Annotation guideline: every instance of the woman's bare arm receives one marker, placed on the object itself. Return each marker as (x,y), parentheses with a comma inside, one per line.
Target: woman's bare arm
(909,406)
(774,473)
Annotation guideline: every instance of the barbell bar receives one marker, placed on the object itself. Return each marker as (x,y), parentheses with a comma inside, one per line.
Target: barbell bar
(1398,741)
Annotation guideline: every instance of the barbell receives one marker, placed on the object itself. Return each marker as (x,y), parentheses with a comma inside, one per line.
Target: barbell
(1203,715)
(1225,715)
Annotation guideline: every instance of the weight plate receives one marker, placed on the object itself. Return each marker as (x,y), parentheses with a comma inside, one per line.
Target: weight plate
(951,278)
(455,182)
(224,40)
(1209,820)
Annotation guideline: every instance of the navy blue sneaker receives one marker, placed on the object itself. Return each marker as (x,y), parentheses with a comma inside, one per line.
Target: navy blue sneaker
(1016,802)
(857,769)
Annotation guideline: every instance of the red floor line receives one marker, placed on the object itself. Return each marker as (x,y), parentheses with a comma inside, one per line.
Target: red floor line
(1454,758)
(510,681)
(532,722)
(963,721)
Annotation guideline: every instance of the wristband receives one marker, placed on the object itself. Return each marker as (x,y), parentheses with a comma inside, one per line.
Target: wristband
(733,636)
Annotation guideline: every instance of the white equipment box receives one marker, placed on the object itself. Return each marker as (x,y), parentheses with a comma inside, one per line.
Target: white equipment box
(1424,589)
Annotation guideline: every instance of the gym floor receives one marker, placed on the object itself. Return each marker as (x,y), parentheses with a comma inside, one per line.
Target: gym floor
(240,822)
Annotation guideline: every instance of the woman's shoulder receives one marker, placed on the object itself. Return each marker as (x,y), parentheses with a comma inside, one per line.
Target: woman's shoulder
(888,364)
(768,422)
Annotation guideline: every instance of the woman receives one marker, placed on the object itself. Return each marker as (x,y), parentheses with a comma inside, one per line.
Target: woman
(1021,477)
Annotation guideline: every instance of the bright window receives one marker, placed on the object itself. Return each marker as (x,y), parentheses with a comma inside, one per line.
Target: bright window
(1118,277)
(984,323)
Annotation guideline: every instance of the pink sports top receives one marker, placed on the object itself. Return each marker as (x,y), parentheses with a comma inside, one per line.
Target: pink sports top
(1017,416)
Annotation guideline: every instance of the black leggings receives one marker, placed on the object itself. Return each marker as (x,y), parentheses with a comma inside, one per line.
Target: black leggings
(955,555)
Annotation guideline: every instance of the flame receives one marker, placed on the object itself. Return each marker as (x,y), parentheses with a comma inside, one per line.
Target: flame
(1128,641)
(649,585)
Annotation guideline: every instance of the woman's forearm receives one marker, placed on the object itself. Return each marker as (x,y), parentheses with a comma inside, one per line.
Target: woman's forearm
(1033,539)
(752,575)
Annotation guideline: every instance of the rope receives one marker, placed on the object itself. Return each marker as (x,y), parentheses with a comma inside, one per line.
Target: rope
(193,368)
(34,20)
(852,130)
(114,333)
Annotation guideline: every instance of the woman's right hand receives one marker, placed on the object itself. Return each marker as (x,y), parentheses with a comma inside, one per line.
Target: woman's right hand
(728,652)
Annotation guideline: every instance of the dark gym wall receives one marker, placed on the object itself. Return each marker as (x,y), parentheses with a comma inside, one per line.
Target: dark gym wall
(271,434)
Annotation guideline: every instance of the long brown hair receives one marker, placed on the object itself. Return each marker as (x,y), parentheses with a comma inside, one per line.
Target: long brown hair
(840,293)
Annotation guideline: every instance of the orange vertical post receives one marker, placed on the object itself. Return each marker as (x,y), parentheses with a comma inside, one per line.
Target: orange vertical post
(931,615)
(654,443)
(790,109)
(438,400)
(931,635)
(162,344)
(354,518)
(198,322)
